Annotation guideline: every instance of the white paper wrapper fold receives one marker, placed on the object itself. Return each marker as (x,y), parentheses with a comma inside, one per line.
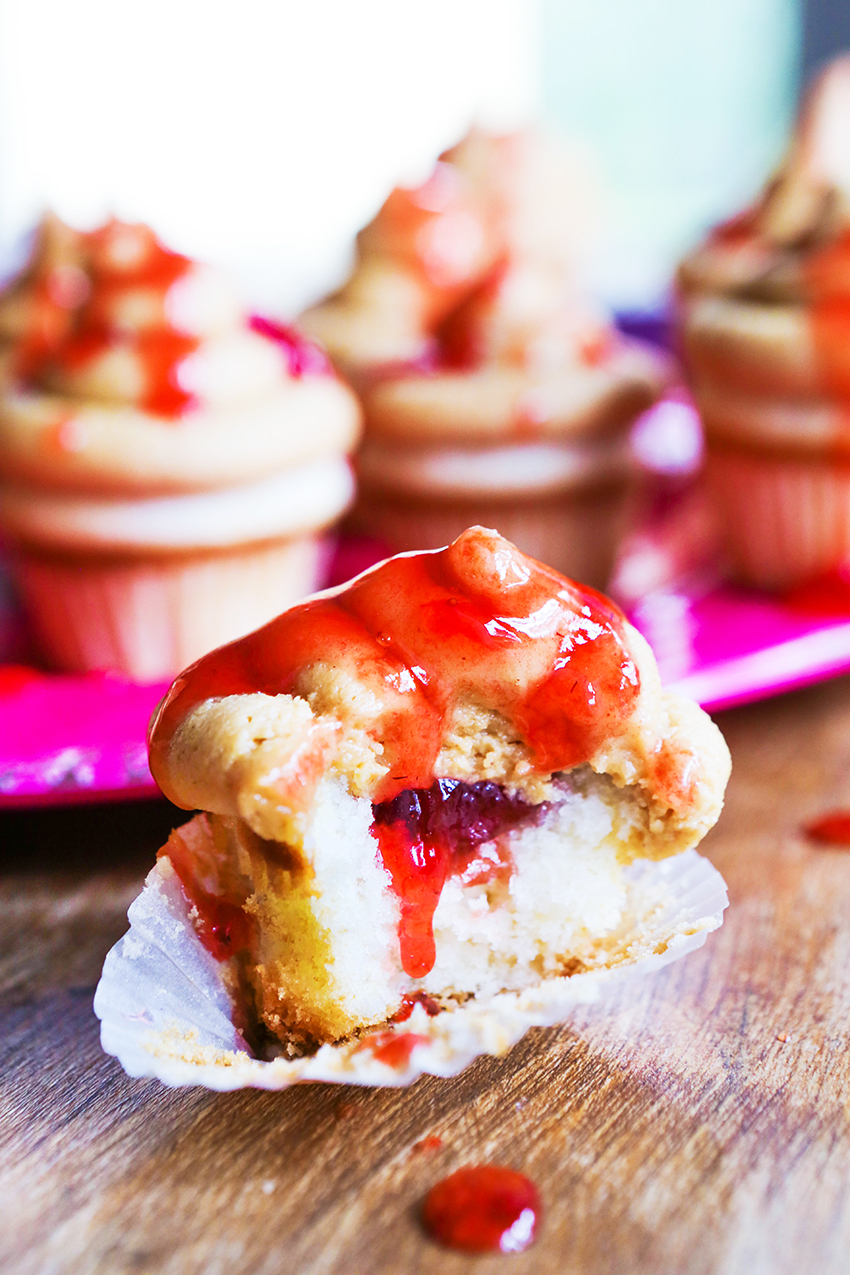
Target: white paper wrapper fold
(165,1011)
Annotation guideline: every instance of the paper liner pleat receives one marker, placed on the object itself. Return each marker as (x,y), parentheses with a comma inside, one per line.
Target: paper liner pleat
(151,618)
(785,520)
(166,1012)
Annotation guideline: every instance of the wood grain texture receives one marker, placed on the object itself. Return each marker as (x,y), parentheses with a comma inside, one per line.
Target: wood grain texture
(696,1122)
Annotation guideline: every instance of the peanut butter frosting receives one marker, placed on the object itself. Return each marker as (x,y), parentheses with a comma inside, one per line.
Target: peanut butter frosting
(131,369)
(475,663)
(766,298)
(465,315)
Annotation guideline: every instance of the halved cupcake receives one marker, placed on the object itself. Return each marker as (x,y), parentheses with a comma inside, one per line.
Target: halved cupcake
(425,786)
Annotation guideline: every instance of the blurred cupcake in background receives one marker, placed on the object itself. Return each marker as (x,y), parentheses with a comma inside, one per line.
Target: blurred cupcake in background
(494,391)
(765,315)
(167,466)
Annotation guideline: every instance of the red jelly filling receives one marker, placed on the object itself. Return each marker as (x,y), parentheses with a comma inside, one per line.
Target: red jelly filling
(426,835)
(483,1208)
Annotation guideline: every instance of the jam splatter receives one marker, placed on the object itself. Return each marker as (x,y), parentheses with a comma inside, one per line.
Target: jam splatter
(393,1049)
(223,926)
(483,1209)
(303,357)
(409,1002)
(832,829)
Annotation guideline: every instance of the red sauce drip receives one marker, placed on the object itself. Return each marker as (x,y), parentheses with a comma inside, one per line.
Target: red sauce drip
(828,281)
(224,927)
(483,1209)
(393,1049)
(827,594)
(116,258)
(303,357)
(832,829)
(477,619)
(431,1142)
(409,1003)
(426,835)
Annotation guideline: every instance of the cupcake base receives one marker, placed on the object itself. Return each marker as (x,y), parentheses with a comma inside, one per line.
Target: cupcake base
(576,531)
(150,617)
(786,519)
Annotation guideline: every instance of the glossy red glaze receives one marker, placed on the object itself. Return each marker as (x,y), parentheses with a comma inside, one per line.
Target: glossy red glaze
(827,276)
(832,829)
(422,630)
(116,259)
(483,1209)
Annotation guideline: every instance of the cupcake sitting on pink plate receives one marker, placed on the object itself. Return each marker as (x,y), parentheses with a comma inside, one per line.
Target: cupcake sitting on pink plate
(494,390)
(765,316)
(168,466)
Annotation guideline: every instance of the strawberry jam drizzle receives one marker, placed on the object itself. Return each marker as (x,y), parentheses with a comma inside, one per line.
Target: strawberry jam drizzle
(116,259)
(483,1208)
(827,278)
(832,829)
(223,926)
(478,620)
(393,1049)
(303,357)
(427,835)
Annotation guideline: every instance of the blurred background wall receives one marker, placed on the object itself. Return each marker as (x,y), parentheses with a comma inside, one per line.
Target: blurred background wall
(262,134)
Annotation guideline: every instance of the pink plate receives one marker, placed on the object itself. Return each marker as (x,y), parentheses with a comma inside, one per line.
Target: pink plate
(77,738)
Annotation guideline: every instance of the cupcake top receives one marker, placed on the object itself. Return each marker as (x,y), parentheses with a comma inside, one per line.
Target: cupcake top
(766,298)
(131,368)
(793,243)
(474,662)
(464,316)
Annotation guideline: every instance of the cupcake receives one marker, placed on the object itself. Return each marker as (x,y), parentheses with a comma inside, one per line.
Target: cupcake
(424,788)
(493,390)
(167,466)
(765,318)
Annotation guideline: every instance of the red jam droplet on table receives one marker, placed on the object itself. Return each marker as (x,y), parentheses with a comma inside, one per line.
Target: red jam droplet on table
(833,829)
(483,1209)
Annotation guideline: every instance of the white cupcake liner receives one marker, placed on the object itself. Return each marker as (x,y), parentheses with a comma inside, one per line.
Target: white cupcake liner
(785,520)
(151,617)
(165,1010)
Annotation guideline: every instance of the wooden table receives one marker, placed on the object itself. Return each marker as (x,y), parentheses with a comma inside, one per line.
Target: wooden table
(697,1122)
